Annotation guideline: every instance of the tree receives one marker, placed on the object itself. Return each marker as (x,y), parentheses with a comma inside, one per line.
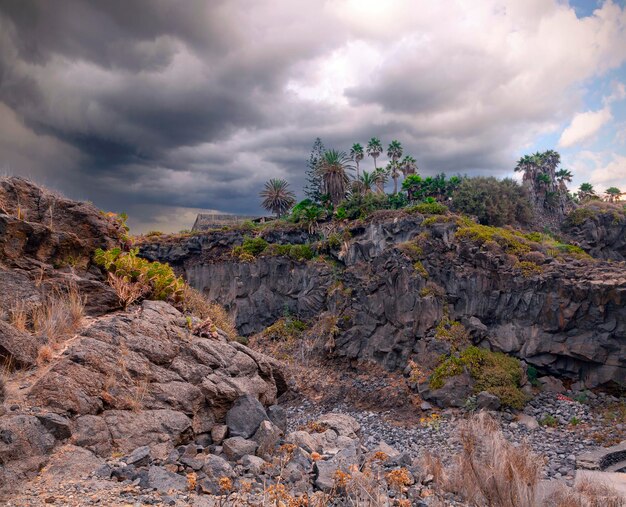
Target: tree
(374,149)
(380,178)
(408,166)
(613,194)
(367,181)
(394,170)
(277,197)
(333,169)
(586,192)
(356,154)
(313,185)
(563,176)
(492,201)
(394,150)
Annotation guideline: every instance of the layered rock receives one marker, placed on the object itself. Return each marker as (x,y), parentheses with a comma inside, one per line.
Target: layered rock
(600,229)
(569,319)
(136,379)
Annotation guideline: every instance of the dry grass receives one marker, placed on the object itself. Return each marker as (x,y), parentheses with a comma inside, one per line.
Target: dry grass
(586,493)
(127,292)
(195,303)
(44,355)
(491,471)
(60,315)
(18,316)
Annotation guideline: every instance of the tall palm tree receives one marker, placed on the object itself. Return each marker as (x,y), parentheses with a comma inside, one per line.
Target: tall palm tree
(380,178)
(374,149)
(277,197)
(563,176)
(333,169)
(356,154)
(408,166)
(393,168)
(394,150)
(613,194)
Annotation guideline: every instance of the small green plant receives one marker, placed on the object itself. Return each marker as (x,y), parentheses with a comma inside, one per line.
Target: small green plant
(549,420)
(528,268)
(160,279)
(452,332)
(428,208)
(582,397)
(574,421)
(420,269)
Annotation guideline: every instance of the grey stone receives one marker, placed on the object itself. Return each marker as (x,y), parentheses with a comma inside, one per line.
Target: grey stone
(56,424)
(278,416)
(139,457)
(237,447)
(218,433)
(162,480)
(487,401)
(253,464)
(551,384)
(267,437)
(244,416)
(343,424)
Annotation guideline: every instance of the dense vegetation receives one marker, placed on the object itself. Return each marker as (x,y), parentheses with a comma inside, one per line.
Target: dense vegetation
(339,188)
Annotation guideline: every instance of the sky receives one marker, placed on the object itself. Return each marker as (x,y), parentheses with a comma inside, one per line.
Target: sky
(161,108)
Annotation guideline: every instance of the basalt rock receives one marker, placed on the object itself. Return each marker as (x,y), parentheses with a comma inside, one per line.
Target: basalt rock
(567,319)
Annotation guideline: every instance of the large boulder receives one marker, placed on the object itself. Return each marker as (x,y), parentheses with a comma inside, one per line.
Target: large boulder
(245,416)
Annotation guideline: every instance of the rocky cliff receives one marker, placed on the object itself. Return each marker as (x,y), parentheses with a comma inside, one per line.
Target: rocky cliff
(123,378)
(565,316)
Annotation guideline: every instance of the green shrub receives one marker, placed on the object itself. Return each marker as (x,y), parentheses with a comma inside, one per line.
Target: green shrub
(528,268)
(450,366)
(549,420)
(579,216)
(511,242)
(421,270)
(494,372)
(492,201)
(301,252)
(428,208)
(159,278)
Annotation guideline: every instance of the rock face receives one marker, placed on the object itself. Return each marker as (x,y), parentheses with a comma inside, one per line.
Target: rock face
(131,380)
(570,319)
(603,234)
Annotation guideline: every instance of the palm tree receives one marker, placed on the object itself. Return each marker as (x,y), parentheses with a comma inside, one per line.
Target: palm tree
(356,154)
(563,176)
(374,148)
(408,166)
(394,150)
(613,194)
(333,169)
(394,170)
(277,197)
(586,191)
(367,181)
(380,178)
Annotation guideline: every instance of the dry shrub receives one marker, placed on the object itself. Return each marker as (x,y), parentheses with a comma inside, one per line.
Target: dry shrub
(127,292)
(44,356)
(18,316)
(60,315)
(490,470)
(586,493)
(195,303)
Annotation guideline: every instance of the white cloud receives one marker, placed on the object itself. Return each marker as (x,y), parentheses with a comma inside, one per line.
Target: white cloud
(602,169)
(584,126)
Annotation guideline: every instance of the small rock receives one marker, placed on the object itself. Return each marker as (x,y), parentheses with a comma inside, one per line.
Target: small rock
(244,416)
(487,401)
(237,447)
(218,433)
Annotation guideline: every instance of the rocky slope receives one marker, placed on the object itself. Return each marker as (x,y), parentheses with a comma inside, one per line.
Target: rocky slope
(125,379)
(565,318)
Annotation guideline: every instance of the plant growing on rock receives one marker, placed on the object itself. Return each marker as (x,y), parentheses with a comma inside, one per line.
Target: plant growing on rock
(494,372)
(333,169)
(159,278)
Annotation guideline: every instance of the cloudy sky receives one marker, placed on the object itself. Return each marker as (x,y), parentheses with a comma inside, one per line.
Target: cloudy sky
(160,108)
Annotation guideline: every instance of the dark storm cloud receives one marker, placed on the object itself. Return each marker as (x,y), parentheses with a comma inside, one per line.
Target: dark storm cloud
(150,105)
